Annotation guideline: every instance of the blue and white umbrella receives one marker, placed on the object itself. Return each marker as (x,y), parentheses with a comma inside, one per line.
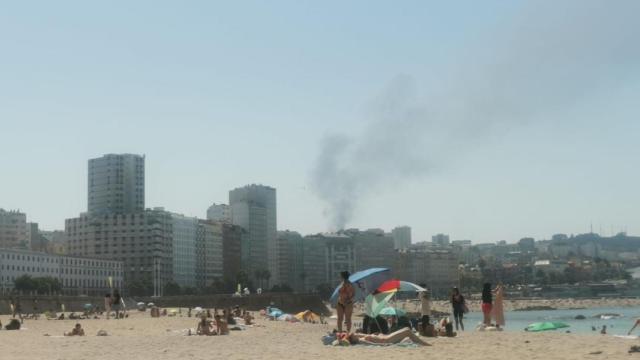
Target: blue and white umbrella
(364,282)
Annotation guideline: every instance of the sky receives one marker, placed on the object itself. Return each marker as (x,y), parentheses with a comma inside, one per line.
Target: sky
(486,120)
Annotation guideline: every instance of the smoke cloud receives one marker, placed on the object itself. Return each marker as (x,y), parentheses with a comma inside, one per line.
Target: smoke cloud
(552,56)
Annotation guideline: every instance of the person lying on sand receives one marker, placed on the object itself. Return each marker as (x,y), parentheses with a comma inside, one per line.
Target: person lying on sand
(393,338)
(77,331)
(205,328)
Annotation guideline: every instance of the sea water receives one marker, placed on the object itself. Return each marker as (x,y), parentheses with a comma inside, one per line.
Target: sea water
(518,320)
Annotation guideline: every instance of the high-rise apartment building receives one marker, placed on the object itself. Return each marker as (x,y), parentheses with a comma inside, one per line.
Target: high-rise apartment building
(291,243)
(116,184)
(401,237)
(13,230)
(184,233)
(219,212)
(209,252)
(373,248)
(253,207)
(143,241)
(436,269)
(232,236)
(440,240)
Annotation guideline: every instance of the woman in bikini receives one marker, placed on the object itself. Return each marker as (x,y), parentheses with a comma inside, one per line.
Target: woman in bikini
(345,302)
(393,338)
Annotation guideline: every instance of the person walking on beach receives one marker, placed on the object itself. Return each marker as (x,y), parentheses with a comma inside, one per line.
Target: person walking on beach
(498,308)
(107,304)
(487,303)
(116,303)
(459,306)
(345,302)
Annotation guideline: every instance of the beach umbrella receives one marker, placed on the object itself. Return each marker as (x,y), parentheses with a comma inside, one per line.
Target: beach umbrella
(399,286)
(389,311)
(544,326)
(374,303)
(364,282)
(141,304)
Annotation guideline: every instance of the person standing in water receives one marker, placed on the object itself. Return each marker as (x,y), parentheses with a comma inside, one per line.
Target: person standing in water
(498,308)
(487,303)
(458,305)
(345,302)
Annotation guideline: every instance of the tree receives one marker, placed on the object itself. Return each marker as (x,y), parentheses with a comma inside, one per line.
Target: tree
(25,284)
(258,275)
(283,288)
(242,278)
(172,289)
(266,275)
(38,285)
(140,287)
(189,290)
(542,277)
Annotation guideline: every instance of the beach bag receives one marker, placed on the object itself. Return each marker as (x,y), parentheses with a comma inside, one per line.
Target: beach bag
(429,331)
(14,324)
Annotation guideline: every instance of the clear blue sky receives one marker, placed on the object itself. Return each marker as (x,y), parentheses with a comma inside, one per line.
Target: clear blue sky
(528,122)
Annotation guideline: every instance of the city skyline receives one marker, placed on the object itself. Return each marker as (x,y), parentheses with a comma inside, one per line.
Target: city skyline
(426,238)
(498,122)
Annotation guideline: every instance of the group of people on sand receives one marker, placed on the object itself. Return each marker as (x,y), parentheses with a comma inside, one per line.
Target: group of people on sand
(114,302)
(218,324)
(492,310)
(344,307)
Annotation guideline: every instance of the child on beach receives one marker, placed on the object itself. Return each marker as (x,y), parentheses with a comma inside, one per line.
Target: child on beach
(77,331)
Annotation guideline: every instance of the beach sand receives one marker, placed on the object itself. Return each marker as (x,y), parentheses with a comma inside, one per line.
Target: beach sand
(143,337)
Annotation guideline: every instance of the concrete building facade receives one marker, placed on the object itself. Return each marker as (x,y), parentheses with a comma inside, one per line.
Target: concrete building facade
(13,230)
(209,252)
(77,275)
(401,237)
(438,270)
(184,233)
(253,207)
(440,240)
(116,184)
(143,241)
(294,276)
(219,212)
(232,236)
(372,249)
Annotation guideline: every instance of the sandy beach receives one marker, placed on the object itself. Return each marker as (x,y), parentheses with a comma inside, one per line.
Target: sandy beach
(143,337)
